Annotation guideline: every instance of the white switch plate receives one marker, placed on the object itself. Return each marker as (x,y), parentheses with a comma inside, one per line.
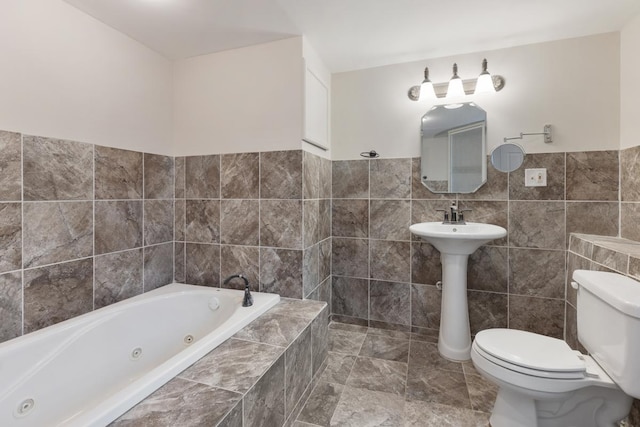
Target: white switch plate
(535,177)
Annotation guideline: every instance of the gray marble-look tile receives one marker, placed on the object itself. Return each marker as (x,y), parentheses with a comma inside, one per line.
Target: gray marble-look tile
(281,175)
(536,272)
(350,297)
(345,342)
(379,375)
(298,369)
(202,177)
(488,212)
(281,223)
(324,219)
(322,292)
(426,211)
(240,260)
(630,174)
(158,266)
(56,169)
(382,347)
(55,232)
(350,218)
(395,333)
(390,260)
(539,315)
(303,309)
(180,169)
(57,292)
(180,219)
(274,329)
(350,179)
(118,276)
(574,262)
(234,365)
(179,273)
(233,418)
(426,355)
(390,178)
(390,219)
(158,221)
(281,272)
(325,178)
(615,260)
(419,414)
(158,176)
(426,267)
(10,166)
(634,415)
(264,403)
(487,310)
(118,173)
(629,216)
(537,225)
(321,404)
(338,367)
(324,260)
(487,269)
(389,326)
(311,178)
(319,340)
(118,225)
(389,302)
(419,190)
(10,306)
(424,334)
(496,187)
(240,175)
(202,264)
(350,257)
(181,403)
(203,221)
(10,236)
(438,386)
(555,188)
(580,245)
(367,408)
(593,218)
(354,321)
(425,306)
(592,175)
(239,222)
(634,267)
(350,327)
(311,222)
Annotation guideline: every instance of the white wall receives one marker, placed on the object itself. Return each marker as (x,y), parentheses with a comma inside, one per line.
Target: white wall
(572,84)
(630,84)
(241,100)
(314,63)
(64,74)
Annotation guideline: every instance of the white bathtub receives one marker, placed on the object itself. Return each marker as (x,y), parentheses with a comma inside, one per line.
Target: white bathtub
(89,370)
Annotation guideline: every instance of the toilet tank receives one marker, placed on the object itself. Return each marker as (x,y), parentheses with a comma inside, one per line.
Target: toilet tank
(609,324)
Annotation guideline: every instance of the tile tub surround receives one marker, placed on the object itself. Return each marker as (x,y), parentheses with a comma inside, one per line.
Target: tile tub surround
(265,215)
(384,277)
(380,377)
(259,377)
(603,253)
(81,226)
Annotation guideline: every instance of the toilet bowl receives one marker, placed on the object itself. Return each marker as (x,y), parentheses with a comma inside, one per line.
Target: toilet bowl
(542,382)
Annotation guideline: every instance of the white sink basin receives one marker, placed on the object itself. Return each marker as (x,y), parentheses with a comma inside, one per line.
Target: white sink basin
(460,239)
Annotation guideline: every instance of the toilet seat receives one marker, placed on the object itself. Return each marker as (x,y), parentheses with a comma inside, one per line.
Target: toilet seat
(530,354)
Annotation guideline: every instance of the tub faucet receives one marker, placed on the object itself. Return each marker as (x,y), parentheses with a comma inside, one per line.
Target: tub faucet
(247,300)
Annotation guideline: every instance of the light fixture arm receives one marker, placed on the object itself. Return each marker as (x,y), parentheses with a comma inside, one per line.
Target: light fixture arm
(548,139)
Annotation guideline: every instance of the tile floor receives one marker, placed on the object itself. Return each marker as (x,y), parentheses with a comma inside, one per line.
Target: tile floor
(376,377)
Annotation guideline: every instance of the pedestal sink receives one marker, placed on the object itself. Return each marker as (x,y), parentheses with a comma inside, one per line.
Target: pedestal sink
(456,242)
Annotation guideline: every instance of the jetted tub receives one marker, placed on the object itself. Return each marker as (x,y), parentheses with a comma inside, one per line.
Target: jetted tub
(89,370)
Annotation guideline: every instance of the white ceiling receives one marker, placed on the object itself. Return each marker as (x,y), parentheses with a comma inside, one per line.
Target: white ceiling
(355,34)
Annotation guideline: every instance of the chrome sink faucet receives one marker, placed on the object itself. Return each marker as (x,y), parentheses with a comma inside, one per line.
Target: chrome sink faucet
(453,215)
(247,300)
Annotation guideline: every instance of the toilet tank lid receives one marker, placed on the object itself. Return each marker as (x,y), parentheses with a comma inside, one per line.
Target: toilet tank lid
(621,292)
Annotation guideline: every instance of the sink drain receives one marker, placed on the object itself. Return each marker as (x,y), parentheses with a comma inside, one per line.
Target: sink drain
(188,339)
(25,407)
(136,353)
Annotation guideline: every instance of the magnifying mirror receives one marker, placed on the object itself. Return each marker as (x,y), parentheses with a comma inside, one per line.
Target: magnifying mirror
(507,157)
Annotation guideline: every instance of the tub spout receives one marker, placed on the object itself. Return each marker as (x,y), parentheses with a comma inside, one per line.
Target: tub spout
(247,300)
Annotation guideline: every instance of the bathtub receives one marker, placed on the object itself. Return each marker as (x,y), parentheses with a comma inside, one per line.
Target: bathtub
(89,370)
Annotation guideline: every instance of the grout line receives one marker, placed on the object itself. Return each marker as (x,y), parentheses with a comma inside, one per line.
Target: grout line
(22,231)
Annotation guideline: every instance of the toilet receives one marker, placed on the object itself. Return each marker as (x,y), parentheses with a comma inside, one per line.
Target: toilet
(542,382)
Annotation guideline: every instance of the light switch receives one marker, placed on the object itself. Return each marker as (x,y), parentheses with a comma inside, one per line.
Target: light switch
(535,177)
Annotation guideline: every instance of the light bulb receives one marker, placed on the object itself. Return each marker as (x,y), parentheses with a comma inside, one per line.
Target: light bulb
(484,83)
(455,88)
(426,88)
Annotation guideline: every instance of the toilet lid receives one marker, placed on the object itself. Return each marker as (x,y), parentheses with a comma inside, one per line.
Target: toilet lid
(534,352)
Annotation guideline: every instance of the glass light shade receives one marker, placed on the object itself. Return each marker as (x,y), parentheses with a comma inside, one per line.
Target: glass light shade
(427,91)
(485,84)
(455,88)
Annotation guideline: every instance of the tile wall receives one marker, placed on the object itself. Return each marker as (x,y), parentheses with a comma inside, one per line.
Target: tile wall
(81,227)
(264,215)
(384,277)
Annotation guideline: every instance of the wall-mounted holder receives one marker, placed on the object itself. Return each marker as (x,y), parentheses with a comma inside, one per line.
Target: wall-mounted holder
(370,154)
(546,132)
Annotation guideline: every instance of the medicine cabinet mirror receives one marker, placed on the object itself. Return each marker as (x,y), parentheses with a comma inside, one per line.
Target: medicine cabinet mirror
(453,155)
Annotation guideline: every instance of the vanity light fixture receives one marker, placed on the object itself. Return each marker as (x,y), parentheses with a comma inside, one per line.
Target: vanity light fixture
(456,87)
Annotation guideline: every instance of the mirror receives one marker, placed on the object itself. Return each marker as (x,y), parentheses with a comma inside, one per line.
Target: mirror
(453,152)
(507,157)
